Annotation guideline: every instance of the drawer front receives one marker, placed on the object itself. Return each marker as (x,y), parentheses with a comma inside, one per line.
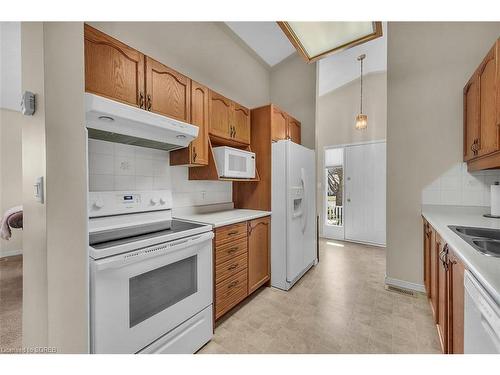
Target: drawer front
(230,267)
(230,233)
(230,292)
(230,251)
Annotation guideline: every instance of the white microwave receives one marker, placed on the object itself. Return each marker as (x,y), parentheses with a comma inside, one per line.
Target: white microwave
(234,163)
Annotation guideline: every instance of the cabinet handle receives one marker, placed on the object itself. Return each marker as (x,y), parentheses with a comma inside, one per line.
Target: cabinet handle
(141,100)
(149,102)
(194,154)
(233,284)
(233,233)
(232,267)
(232,250)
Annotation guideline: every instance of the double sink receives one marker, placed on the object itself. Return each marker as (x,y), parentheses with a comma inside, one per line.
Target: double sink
(484,240)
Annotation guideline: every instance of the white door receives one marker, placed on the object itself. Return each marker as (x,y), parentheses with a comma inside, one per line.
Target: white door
(365,187)
(301,229)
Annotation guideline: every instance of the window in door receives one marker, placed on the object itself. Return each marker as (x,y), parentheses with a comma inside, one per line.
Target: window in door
(335,193)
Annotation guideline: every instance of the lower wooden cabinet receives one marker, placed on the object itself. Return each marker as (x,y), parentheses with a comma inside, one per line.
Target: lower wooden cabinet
(444,283)
(259,241)
(241,262)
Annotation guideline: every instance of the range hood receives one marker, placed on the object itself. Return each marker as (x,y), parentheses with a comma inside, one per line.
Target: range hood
(112,121)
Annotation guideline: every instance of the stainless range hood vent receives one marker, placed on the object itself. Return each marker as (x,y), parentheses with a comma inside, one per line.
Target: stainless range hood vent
(112,121)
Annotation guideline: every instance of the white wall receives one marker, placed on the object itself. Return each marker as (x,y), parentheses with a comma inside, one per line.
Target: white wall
(293,89)
(114,166)
(10,65)
(11,160)
(428,65)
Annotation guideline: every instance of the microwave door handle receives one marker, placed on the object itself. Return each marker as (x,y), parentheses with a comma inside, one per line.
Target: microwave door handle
(126,259)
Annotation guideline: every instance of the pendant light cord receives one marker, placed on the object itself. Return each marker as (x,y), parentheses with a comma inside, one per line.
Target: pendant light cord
(361,58)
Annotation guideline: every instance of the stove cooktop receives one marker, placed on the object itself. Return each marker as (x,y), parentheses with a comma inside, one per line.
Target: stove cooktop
(120,236)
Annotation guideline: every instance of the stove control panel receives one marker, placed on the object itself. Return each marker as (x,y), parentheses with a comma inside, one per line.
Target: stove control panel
(106,203)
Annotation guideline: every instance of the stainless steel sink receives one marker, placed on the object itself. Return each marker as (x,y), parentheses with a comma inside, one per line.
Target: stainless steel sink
(484,240)
(488,247)
(479,232)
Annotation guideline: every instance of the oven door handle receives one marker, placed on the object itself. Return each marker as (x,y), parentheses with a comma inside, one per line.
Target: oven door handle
(126,259)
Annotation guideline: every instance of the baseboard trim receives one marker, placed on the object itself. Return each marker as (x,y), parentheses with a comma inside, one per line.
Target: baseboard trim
(405,284)
(10,253)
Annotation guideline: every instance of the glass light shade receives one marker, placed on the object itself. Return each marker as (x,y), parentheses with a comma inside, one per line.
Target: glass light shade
(361,121)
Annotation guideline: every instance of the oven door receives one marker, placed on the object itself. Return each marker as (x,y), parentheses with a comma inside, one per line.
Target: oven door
(141,295)
(239,164)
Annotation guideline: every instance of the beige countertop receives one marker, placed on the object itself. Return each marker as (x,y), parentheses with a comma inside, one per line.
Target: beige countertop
(222,217)
(485,268)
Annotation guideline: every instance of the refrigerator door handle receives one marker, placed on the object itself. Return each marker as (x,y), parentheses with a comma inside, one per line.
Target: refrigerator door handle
(304,199)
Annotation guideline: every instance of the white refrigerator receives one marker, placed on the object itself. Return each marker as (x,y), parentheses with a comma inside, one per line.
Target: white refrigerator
(293,222)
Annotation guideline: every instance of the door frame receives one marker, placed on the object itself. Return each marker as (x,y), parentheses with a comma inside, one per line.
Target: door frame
(332,232)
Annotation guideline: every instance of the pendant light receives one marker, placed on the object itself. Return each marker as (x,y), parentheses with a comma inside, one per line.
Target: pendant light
(361,119)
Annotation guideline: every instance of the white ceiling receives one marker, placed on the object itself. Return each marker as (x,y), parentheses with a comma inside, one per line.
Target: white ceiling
(265,38)
(10,65)
(341,68)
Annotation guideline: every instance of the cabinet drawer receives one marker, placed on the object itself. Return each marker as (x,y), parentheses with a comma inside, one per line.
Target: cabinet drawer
(230,251)
(230,292)
(230,267)
(230,233)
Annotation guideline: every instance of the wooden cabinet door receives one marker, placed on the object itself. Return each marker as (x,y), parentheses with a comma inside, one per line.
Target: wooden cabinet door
(241,130)
(487,81)
(293,130)
(456,271)
(199,117)
(471,118)
(220,115)
(259,237)
(167,91)
(427,258)
(442,322)
(113,69)
(434,274)
(279,124)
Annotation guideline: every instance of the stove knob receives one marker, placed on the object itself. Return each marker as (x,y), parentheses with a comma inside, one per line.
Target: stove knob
(162,201)
(99,203)
(154,201)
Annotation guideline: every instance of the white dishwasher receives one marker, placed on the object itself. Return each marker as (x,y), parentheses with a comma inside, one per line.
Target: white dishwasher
(482,319)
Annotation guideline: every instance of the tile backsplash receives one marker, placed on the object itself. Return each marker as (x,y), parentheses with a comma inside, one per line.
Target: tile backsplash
(461,188)
(115,166)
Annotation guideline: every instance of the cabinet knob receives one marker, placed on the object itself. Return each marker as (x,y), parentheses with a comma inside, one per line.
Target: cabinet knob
(149,102)
(194,154)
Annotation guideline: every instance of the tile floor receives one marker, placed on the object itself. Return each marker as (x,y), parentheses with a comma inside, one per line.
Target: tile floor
(339,306)
(11,295)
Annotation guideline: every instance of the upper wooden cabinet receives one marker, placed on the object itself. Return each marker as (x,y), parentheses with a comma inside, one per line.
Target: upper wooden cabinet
(228,120)
(488,125)
(220,115)
(471,118)
(284,126)
(259,243)
(279,124)
(241,124)
(113,69)
(482,114)
(294,130)
(167,91)
(197,152)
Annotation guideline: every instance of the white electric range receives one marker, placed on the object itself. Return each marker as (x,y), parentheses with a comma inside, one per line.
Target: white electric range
(150,275)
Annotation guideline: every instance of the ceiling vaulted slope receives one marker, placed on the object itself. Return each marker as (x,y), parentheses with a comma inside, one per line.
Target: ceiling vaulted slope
(265,38)
(341,68)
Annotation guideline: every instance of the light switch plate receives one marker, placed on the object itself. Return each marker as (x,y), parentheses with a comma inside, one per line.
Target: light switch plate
(38,189)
